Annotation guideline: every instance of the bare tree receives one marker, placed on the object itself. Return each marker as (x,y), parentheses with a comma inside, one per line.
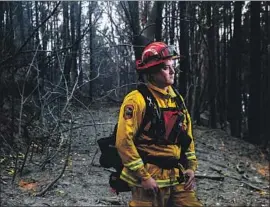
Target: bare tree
(184,47)
(66,41)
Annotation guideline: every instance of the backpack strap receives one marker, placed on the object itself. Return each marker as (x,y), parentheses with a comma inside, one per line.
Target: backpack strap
(152,113)
(150,101)
(186,140)
(179,100)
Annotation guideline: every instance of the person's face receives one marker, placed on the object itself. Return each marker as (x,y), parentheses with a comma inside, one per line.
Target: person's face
(165,77)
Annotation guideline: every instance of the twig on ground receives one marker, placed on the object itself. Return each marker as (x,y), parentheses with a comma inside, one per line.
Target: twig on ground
(15,168)
(252,186)
(92,161)
(58,177)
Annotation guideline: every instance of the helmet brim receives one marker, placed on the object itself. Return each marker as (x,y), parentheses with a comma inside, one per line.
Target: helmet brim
(141,67)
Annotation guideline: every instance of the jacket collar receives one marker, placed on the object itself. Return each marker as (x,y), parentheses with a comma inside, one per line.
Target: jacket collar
(170,93)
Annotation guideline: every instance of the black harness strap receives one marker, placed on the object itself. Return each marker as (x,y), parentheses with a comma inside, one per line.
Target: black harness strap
(185,139)
(176,129)
(152,113)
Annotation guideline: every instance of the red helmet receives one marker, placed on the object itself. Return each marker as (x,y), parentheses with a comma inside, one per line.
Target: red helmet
(154,54)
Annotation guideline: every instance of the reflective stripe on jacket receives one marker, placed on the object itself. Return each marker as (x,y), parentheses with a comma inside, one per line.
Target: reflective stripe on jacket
(130,118)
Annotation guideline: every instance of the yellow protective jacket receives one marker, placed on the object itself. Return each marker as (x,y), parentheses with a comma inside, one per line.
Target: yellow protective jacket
(130,118)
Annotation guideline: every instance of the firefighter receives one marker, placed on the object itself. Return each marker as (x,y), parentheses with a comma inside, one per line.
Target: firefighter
(151,158)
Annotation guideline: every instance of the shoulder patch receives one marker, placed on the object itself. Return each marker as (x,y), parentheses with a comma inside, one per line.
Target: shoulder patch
(128,111)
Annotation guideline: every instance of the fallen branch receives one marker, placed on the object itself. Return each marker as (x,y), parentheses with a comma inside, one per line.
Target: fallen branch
(3,182)
(111,200)
(225,174)
(252,186)
(212,177)
(63,170)
(237,178)
(54,181)
(217,170)
(92,162)
(93,159)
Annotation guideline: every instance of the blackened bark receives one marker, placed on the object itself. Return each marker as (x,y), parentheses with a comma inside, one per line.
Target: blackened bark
(73,20)
(223,70)
(254,124)
(80,81)
(91,69)
(212,66)
(167,22)
(172,25)
(265,109)
(66,41)
(184,65)
(158,33)
(235,118)
(20,20)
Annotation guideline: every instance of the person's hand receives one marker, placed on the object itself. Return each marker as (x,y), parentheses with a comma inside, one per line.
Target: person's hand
(150,185)
(190,183)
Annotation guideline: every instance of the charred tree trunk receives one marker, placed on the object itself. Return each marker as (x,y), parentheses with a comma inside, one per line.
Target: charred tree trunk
(2,50)
(91,51)
(167,19)
(158,33)
(57,43)
(235,118)
(223,70)
(37,22)
(152,31)
(80,81)
(184,65)
(9,47)
(66,41)
(134,15)
(172,25)
(212,66)
(254,124)
(265,109)
(21,22)
(43,55)
(73,20)
(217,31)
(193,60)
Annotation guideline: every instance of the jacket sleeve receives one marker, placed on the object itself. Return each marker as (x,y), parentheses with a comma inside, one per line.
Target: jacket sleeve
(130,118)
(190,153)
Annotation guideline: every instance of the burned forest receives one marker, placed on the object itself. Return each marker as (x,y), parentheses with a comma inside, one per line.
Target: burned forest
(65,67)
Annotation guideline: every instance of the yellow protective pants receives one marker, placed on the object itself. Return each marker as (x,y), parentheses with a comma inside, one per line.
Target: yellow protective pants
(171,196)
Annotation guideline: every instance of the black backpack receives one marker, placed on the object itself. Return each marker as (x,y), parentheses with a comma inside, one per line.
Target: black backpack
(110,158)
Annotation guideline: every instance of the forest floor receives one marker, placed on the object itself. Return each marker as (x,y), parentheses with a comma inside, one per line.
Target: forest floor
(231,172)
